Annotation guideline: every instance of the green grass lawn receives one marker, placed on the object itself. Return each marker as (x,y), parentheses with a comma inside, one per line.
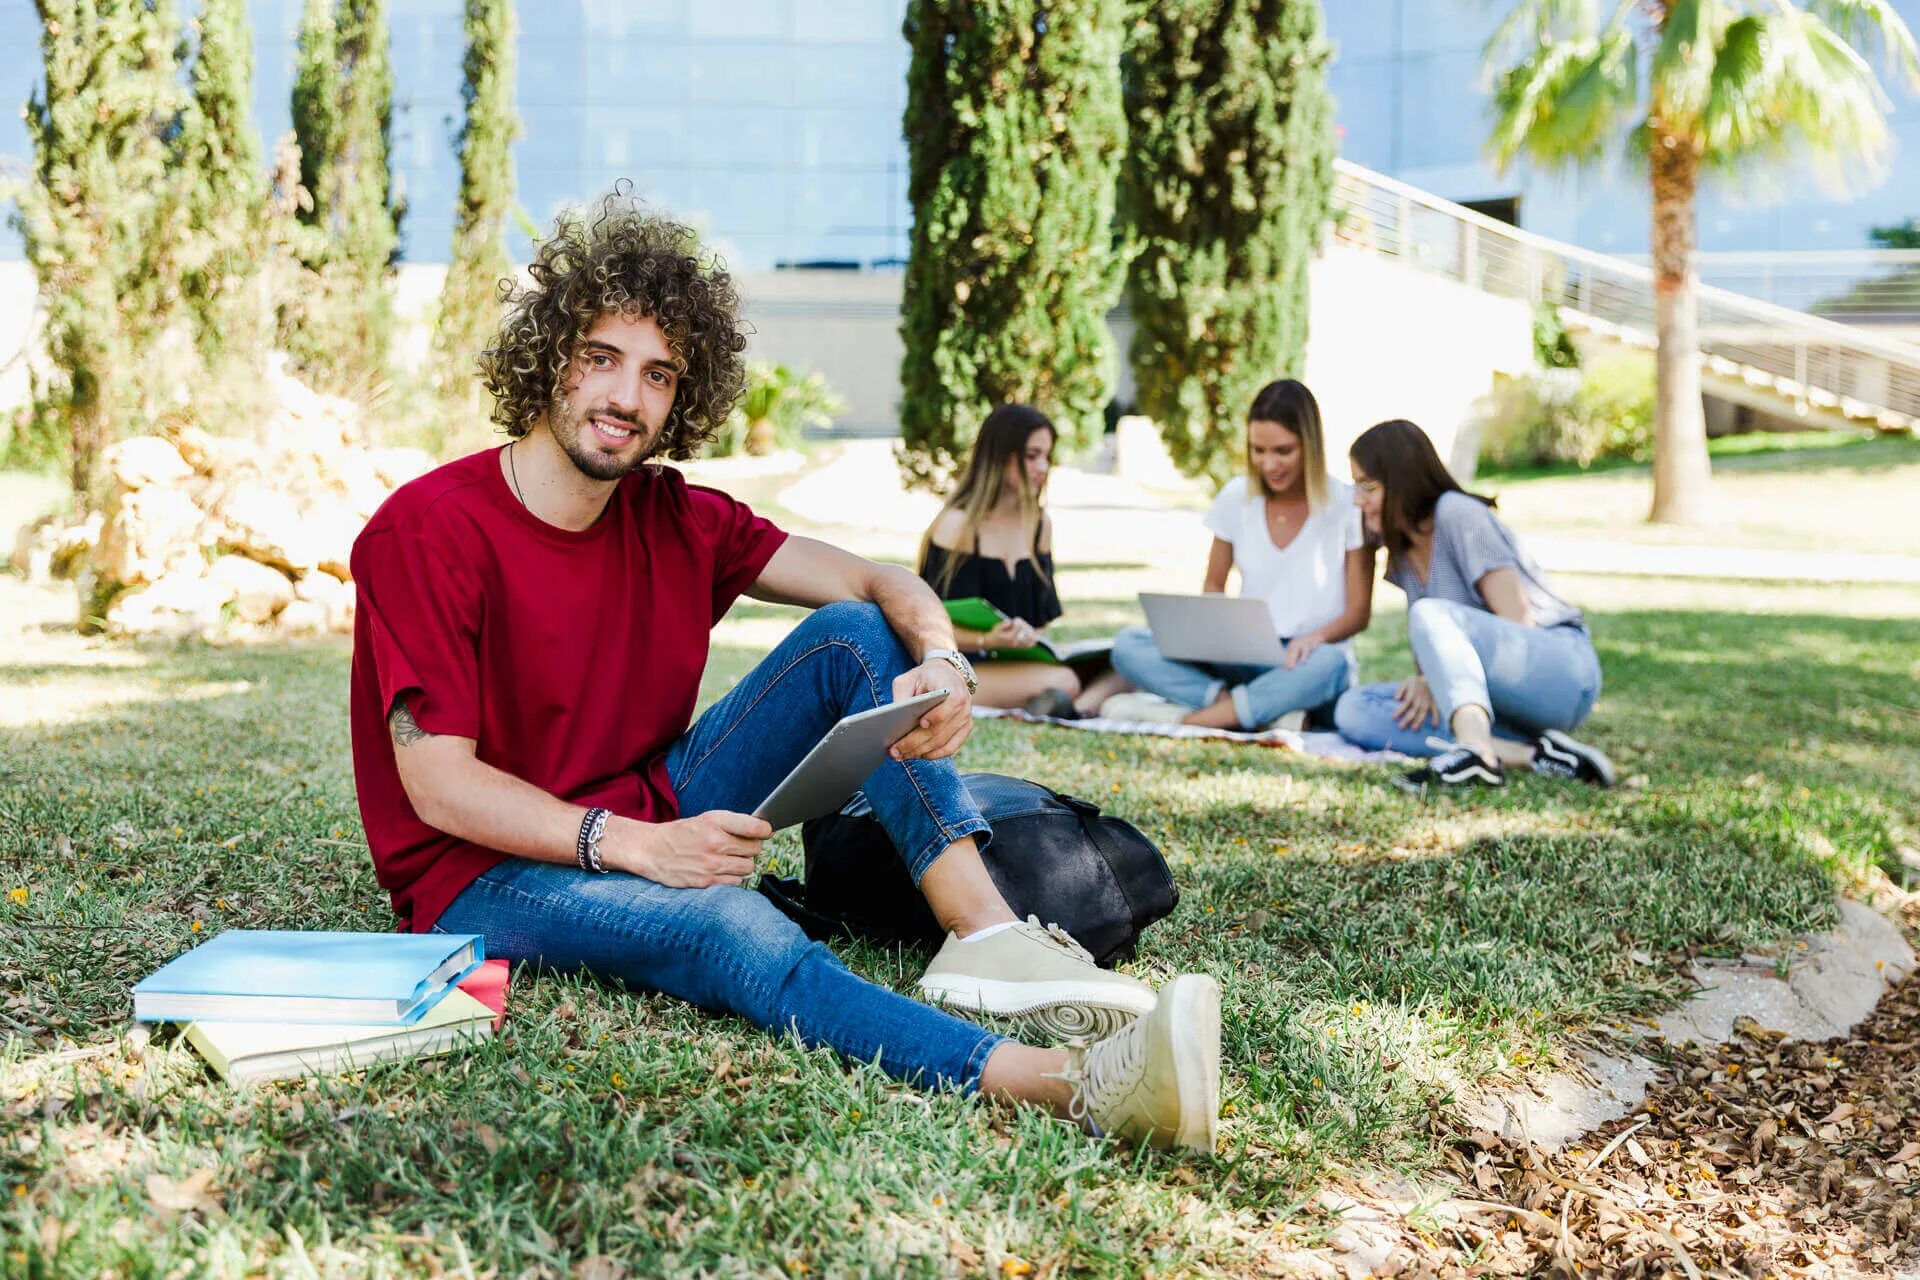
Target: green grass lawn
(1821,491)
(1378,953)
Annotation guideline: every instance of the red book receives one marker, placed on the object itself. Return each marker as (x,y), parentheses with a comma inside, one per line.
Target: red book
(488,985)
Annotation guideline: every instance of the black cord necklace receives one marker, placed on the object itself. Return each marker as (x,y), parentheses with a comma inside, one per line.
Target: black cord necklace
(514,472)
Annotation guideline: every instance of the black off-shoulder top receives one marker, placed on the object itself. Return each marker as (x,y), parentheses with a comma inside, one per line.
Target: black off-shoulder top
(1027,592)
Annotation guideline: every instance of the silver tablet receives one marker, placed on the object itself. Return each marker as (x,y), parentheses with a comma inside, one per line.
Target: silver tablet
(841,761)
(1212,628)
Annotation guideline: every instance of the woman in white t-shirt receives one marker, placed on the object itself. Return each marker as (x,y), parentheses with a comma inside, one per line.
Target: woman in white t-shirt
(1292,532)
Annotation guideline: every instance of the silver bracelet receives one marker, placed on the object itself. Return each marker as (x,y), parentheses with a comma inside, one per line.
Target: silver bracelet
(597,829)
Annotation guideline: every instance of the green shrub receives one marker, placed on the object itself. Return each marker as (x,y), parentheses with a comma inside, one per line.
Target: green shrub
(778,407)
(1552,345)
(1563,417)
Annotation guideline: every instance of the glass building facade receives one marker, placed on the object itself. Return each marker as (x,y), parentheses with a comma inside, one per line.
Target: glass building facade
(775,124)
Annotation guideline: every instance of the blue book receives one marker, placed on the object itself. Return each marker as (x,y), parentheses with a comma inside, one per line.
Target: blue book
(270,975)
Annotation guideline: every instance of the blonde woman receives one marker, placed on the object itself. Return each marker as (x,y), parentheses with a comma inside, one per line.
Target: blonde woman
(1290,529)
(993,540)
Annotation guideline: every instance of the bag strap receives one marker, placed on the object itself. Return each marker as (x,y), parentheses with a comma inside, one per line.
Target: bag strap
(1088,816)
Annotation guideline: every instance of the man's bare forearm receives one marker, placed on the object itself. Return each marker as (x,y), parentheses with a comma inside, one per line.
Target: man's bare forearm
(911,609)
(456,792)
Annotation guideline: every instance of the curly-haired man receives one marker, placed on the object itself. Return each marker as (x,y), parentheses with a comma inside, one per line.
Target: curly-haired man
(533,624)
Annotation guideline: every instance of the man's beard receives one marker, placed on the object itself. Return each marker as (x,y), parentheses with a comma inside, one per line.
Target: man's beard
(570,430)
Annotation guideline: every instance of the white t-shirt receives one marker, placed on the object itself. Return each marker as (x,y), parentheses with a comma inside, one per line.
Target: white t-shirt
(1305,585)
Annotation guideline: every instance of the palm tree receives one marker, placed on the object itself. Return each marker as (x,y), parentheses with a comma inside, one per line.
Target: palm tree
(1692,87)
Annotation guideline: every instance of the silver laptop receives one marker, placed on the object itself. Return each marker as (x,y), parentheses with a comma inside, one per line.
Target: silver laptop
(1212,628)
(841,761)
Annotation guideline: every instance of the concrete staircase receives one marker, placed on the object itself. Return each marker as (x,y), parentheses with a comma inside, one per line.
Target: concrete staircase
(1765,357)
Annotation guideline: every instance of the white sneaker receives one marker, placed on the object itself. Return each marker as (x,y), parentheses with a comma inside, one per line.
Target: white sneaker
(1038,974)
(1291,721)
(1158,1080)
(1142,708)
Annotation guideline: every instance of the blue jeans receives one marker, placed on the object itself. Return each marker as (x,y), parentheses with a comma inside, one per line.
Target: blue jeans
(1260,695)
(1526,678)
(727,948)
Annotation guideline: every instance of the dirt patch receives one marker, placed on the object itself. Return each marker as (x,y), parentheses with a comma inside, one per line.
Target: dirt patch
(1760,1156)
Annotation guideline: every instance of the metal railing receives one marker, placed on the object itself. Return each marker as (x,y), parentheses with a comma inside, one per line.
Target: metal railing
(1810,359)
(1854,286)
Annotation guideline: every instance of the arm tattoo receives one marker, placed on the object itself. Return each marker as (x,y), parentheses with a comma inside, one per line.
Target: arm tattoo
(406,730)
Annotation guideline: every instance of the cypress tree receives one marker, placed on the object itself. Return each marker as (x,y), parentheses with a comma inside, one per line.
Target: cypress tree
(226,195)
(101,214)
(1224,191)
(1015,133)
(469,303)
(341,331)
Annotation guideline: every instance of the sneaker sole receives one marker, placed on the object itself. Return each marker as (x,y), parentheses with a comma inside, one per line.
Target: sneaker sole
(1573,754)
(1196,1056)
(1063,1009)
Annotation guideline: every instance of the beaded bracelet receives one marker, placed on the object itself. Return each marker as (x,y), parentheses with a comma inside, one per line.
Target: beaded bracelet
(586,847)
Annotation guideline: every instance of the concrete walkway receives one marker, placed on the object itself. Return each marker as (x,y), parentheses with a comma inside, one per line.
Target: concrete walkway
(1110,520)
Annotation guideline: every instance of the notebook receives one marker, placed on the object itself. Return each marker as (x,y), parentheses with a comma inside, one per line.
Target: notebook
(270,975)
(248,1052)
(975,614)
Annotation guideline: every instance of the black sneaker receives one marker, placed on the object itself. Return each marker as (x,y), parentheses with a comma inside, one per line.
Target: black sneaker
(1053,704)
(1555,755)
(1461,767)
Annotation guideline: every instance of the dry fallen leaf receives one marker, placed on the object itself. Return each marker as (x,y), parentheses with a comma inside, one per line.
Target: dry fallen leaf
(189,1195)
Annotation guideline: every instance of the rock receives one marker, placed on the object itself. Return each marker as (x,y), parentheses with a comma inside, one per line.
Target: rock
(360,482)
(257,592)
(332,526)
(337,598)
(397,466)
(149,533)
(302,617)
(262,524)
(178,605)
(144,461)
(72,546)
(210,455)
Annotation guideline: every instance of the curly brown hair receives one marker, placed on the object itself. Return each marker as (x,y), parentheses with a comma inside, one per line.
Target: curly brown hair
(622,258)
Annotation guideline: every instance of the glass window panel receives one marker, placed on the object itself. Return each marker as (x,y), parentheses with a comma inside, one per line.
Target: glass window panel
(550,69)
(839,203)
(1428,26)
(1443,114)
(871,76)
(621,19)
(831,20)
(846,139)
(1364,28)
(739,137)
(725,72)
(743,19)
(737,202)
(1363,95)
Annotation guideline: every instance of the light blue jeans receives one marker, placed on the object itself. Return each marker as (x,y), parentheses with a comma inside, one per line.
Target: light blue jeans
(1260,695)
(729,949)
(1527,678)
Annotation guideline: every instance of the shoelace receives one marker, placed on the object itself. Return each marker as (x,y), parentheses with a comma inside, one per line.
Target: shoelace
(1091,1073)
(1054,934)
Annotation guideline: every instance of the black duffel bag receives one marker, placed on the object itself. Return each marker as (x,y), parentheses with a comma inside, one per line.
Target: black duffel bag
(1052,856)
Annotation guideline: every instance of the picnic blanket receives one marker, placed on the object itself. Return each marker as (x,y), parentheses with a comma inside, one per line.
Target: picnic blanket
(1326,745)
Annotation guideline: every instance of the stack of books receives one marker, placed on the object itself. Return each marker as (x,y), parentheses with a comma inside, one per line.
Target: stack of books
(276,1005)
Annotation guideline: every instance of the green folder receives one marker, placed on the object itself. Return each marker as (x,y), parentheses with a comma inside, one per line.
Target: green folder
(976,614)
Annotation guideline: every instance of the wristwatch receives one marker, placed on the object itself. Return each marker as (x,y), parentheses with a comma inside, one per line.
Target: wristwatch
(960,664)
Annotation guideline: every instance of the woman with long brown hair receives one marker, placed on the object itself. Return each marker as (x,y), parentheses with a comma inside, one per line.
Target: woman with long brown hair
(1291,531)
(1505,666)
(994,540)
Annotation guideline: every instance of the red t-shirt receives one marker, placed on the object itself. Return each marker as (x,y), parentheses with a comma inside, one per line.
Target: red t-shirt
(573,660)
